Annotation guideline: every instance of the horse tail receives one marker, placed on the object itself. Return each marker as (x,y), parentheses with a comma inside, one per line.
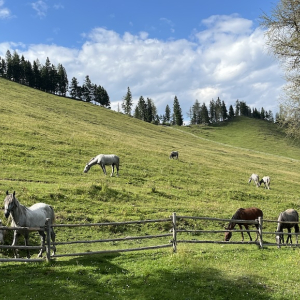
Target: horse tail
(52,215)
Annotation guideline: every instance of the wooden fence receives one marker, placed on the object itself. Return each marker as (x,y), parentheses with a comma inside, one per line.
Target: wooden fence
(174,233)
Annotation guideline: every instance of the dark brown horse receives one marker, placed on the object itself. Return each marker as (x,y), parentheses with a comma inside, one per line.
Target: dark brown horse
(243,214)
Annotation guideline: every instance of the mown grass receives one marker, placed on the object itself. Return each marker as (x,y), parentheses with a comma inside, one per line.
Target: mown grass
(46,142)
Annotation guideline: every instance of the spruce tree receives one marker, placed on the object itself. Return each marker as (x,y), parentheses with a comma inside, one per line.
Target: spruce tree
(177,113)
(127,102)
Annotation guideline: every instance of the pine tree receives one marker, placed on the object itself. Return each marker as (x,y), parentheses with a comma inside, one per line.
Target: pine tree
(167,116)
(177,113)
(195,113)
(204,114)
(73,89)
(87,89)
(62,80)
(231,112)
(224,111)
(127,102)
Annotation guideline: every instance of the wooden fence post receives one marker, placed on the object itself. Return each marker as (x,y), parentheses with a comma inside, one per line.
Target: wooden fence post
(174,232)
(260,223)
(48,231)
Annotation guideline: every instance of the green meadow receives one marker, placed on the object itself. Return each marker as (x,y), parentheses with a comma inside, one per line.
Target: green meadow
(45,143)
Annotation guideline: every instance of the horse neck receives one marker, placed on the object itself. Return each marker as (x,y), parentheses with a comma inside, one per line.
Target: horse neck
(231,225)
(92,162)
(18,212)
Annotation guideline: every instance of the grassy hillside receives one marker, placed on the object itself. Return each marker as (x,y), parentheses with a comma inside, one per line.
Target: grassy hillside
(47,140)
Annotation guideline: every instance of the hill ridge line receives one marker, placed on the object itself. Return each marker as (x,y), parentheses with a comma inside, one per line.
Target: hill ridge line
(235,147)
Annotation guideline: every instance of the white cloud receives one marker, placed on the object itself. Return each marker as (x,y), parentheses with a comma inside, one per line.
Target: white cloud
(40,7)
(227,60)
(4,11)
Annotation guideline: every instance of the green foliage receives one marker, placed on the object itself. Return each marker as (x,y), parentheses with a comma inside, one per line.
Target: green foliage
(46,142)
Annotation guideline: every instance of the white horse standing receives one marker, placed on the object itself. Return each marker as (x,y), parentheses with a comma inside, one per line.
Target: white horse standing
(33,216)
(255,178)
(104,160)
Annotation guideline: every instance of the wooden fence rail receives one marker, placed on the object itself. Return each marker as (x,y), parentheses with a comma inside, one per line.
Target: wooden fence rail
(174,233)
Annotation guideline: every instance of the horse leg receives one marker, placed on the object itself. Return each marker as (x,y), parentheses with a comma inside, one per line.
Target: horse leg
(241,232)
(43,238)
(53,241)
(112,170)
(117,167)
(103,168)
(26,237)
(247,228)
(14,243)
(289,236)
(256,225)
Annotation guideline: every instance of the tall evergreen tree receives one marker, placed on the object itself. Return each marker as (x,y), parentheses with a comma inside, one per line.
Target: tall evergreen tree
(73,89)
(62,80)
(177,113)
(9,69)
(167,115)
(224,111)
(127,102)
(195,113)
(204,114)
(37,75)
(87,89)
(231,112)
(212,111)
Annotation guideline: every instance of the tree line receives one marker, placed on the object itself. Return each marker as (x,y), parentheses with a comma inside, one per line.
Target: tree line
(216,111)
(51,79)
(54,79)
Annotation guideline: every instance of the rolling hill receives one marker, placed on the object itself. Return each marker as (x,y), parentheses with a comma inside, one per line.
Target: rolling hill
(46,141)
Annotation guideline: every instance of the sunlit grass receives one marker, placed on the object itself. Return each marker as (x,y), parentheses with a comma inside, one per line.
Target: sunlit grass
(46,142)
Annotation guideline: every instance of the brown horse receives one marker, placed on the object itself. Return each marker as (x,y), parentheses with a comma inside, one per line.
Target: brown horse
(243,214)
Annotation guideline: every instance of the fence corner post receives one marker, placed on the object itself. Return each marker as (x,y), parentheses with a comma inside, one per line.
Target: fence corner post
(174,232)
(260,223)
(48,231)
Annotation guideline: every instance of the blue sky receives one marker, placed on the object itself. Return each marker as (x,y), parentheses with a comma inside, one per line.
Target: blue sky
(192,49)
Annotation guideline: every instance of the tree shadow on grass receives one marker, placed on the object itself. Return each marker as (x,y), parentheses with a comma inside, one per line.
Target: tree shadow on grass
(97,277)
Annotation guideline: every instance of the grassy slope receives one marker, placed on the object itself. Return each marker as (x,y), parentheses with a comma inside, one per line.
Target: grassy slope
(45,143)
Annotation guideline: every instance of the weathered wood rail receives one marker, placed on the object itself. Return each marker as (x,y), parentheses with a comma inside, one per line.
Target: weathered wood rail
(174,233)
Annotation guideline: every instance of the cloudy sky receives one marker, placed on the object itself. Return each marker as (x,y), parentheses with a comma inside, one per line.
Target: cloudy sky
(194,49)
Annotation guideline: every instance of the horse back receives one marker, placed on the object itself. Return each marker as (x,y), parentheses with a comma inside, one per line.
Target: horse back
(251,213)
(39,212)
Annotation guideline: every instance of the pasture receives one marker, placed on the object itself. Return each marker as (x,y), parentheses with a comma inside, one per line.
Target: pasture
(45,144)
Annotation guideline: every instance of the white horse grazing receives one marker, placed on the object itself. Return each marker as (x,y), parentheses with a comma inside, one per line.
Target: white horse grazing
(104,160)
(290,215)
(255,178)
(33,216)
(174,154)
(267,181)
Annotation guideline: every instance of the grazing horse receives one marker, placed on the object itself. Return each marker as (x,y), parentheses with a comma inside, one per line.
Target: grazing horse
(104,160)
(267,181)
(243,214)
(255,178)
(174,154)
(290,215)
(33,216)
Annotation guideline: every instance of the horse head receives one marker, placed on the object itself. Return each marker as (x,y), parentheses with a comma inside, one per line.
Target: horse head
(9,203)
(86,168)
(228,234)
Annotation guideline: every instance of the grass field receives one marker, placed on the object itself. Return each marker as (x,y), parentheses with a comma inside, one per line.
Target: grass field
(47,140)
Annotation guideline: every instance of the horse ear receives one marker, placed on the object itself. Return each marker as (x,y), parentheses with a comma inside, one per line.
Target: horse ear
(14,193)
(6,192)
